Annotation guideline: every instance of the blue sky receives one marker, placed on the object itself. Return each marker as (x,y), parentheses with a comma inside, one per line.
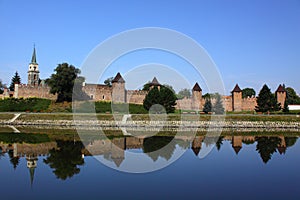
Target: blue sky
(251,42)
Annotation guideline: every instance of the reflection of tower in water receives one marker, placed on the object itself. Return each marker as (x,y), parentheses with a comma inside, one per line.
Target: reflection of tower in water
(31,165)
(117,150)
(237,143)
(197,144)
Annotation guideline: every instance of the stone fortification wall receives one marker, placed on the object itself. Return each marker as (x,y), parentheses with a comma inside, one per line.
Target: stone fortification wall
(98,92)
(27,91)
(135,96)
(248,104)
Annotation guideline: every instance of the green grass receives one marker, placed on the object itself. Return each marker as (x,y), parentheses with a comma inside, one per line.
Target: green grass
(146,117)
(6,116)
(23,105)
(23,137)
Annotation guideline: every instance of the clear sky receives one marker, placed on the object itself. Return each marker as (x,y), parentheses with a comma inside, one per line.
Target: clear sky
(252,42)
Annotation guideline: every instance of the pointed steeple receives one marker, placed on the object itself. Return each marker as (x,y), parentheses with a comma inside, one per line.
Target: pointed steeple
(33,59)
(31,171)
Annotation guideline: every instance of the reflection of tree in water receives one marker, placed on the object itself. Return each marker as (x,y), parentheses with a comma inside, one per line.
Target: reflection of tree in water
(266,146)
(13,160)
(153,147)
(65,159)
(290,141)
(219,143)
(211,140)
(184,144)
(1,152)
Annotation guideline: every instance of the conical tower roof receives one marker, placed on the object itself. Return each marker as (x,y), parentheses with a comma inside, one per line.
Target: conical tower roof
(280,88)
(155,82)
(236,88)
(197,87)
(118,78)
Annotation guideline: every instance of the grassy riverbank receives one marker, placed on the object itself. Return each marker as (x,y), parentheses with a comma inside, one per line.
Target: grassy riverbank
(146,117)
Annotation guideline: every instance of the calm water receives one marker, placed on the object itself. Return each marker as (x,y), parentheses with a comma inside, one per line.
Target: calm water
(36,166)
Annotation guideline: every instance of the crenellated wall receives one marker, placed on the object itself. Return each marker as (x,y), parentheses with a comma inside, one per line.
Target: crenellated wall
(135,96)
(248,104)
(27,91)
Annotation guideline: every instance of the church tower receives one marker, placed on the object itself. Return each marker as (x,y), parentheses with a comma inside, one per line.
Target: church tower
(33,70)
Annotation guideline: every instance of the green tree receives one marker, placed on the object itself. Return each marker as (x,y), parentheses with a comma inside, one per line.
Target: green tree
(15,80)
(291,96)
(164,97)
(65,159)
(207,106)
(108,81)
(169,87)
(266,101)
(1,87)
(210,95)
(248,92)
(146,87)
(184,93)
(218,107)
(78,94)
(62,82)
(286,107)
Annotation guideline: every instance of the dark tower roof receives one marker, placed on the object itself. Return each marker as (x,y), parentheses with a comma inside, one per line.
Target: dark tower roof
(280,88)
(33,59)
(237,149)
(236,88)
(196,150)
(197,87)
(155,82)
(281,150)
(118,78)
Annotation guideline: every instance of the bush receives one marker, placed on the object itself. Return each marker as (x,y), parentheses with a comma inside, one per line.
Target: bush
(22,105)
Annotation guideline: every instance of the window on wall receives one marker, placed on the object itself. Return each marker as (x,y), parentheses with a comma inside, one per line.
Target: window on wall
(92,96)
(103,97)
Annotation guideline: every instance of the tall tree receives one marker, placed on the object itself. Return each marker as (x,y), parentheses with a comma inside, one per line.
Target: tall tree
(165,97)
(1,87)
(108,81)
(146,87)
(62,81)
(184,93)
(266,101)
(286,106)
(218,106)
(16,79)
(291,96)
(248,92)
(207,106)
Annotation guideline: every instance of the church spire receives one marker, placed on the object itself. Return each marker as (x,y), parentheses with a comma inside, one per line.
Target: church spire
(33,59)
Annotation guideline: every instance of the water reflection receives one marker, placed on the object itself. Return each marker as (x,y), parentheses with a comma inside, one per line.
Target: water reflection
(65,157)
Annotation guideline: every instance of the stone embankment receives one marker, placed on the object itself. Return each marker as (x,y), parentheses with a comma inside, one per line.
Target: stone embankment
(156,124)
